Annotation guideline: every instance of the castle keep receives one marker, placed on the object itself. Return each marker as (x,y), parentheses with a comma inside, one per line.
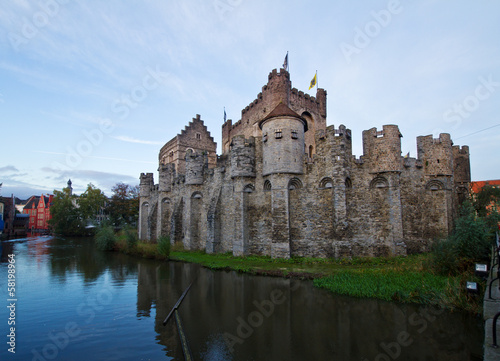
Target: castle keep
(288,185)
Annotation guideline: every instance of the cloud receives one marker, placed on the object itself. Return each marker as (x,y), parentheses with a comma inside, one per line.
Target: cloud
(125,138)
(8,168)
(98,157)
(81,178)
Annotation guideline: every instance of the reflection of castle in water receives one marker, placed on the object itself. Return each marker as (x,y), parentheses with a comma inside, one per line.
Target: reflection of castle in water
(288,185)
(304,323)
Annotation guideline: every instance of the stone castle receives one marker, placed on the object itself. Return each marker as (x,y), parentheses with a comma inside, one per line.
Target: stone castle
(287,184)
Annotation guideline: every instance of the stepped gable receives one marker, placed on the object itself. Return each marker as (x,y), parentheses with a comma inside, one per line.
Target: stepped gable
(282,110)
(191,123)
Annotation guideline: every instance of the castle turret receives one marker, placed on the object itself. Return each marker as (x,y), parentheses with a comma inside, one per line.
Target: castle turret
(146,184)
(283,141)
(321,98)
(195,164)
(461,164)
(166,177)
(277,89)
(382,149)
(436,154)
(242,157)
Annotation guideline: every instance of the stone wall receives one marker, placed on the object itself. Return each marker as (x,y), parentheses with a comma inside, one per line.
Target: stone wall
(270,196)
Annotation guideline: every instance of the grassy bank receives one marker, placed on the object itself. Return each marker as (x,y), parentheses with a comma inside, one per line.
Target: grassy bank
(401,279)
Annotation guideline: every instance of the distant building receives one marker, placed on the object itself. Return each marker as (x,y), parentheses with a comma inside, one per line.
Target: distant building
(2,223)
(12,224)
(38,209)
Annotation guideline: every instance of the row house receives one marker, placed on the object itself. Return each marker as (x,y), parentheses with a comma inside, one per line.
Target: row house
(38,209)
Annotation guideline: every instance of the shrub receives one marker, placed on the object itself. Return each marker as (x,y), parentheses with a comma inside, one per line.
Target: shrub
(444,258)
(131,237)
(105,238)
(471,235)
(164,246)
(470,242)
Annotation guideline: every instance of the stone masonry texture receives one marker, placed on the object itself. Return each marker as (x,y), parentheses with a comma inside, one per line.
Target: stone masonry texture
(288,185)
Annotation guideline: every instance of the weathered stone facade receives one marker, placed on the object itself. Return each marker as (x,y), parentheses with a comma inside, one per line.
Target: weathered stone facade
(287,185)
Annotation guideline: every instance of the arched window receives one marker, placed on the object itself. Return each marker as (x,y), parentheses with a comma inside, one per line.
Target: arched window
(326,183)
(197,195)
(267,185)
(434,185)
(295,183)
(379,182)
(249,188)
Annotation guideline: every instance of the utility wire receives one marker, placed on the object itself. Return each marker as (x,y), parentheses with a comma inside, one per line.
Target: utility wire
(479,131)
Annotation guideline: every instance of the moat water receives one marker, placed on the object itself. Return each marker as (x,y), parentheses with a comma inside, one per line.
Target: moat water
(73,302)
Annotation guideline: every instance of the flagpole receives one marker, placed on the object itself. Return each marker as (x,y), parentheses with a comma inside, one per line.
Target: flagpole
(287,62)
(316,80)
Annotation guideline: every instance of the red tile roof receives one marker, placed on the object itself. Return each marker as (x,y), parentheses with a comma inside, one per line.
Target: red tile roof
(477,186)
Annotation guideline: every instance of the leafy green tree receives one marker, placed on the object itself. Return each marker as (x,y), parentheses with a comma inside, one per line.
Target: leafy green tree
(91,202)
(487,203)
(471,236)
(123,205)
(486,200)
(66,217)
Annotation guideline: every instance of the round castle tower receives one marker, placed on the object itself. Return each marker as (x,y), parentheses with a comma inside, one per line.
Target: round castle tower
(195,165)
(283,141)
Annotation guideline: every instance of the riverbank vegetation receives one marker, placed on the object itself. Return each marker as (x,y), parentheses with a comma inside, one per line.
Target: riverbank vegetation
(74,215)
(126,241)
(402,279)
(435,278)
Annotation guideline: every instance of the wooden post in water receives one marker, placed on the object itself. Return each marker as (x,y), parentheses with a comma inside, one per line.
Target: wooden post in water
(185,346)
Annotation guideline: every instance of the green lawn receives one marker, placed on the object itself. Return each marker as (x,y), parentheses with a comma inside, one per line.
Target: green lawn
(401,279)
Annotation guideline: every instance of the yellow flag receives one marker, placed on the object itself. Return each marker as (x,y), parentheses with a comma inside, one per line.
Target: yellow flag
(313,82)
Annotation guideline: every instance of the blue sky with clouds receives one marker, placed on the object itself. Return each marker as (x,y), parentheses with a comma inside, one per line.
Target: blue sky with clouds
(90,90)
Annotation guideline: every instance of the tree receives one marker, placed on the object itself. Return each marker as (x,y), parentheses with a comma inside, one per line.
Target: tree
(487,204)
(66,217)
(486,199)
(123,205)
(92,202)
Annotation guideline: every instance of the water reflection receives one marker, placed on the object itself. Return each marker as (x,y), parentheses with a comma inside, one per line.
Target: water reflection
(233,316)
(226,315)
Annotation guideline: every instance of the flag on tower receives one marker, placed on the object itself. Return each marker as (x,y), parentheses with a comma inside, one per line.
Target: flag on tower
(224,114)
(313,81)
(285,63)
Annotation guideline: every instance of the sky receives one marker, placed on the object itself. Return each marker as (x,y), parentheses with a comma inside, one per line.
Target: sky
(91,90)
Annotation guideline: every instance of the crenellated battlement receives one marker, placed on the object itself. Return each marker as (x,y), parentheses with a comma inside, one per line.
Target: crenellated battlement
(461,164)
(146,184)
(277,90)
(242,156)
(146,178)
(287,185)
(382,149)
(436,154)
